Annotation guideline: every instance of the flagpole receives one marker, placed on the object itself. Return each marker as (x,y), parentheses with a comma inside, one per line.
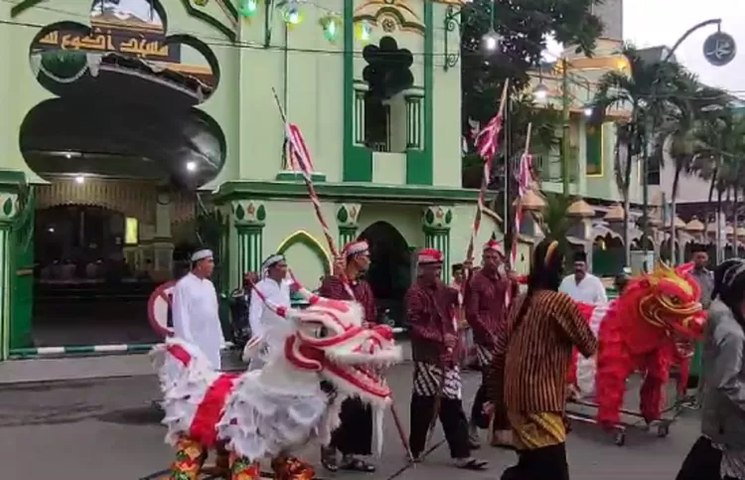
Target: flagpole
(308,177)
(485,180)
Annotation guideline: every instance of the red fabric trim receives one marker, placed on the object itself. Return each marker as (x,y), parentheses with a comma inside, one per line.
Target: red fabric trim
(180,354)
(210,410)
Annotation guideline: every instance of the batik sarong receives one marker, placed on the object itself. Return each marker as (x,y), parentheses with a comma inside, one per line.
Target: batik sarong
(427,378)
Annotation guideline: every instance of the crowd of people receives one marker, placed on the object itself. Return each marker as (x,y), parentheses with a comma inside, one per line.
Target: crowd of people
(523,345)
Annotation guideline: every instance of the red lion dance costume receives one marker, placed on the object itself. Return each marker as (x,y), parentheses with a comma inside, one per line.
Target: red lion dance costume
(643,330)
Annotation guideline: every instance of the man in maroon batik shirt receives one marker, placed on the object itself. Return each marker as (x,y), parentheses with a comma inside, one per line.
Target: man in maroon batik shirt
(486,312)
(434,345)
(353,438)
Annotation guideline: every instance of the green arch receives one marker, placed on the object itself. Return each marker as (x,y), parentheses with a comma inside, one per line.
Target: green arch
(304,238)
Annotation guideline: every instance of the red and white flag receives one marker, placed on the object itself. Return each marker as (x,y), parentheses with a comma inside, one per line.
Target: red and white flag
(487,140)
(298,155)
(524,177)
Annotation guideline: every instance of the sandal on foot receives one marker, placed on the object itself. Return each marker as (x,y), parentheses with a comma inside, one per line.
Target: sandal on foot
(328,459)
(471,464)
(357,465)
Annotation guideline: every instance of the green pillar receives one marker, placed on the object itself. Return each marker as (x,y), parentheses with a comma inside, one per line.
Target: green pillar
(347,215)
(436,223)
(8,210)
(249,217)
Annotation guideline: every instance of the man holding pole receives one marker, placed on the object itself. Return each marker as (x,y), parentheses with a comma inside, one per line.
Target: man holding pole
(486,311)
(275,287)
(437,383)
(353,438)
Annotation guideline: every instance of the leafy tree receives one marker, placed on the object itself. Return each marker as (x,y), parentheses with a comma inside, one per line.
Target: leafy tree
(523,27)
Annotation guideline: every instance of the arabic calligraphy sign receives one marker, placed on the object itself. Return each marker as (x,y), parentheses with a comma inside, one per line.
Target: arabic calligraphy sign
(719,49)
(143,45)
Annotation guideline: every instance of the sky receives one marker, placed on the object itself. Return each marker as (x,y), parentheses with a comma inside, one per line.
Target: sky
(649,23)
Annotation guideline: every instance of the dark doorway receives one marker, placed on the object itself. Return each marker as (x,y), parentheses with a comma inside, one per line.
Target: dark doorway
(390,269)
(84,290)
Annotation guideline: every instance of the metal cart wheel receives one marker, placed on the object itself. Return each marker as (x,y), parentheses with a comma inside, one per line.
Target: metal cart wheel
(663,430)
(620,439)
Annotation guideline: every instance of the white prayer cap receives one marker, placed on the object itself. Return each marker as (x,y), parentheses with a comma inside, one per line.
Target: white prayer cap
(201,255)
(272,260)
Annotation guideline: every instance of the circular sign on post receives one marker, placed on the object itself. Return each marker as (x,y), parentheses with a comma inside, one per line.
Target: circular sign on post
(159,308)
(719,49)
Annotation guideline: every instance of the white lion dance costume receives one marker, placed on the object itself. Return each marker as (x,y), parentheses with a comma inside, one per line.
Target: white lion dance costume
(265,414)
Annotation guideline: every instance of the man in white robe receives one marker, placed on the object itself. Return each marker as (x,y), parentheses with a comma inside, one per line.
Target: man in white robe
(583,286)
(195,311)
(275,286)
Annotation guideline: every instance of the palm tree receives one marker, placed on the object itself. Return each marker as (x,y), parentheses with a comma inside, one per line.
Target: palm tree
(677,139)
(647,91)
(722,135)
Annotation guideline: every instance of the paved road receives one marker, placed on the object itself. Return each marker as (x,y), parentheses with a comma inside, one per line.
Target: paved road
(105,429)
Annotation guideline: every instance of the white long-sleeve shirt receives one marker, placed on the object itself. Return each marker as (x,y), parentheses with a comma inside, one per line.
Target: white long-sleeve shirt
(196,318)
(261,318)
(589,290)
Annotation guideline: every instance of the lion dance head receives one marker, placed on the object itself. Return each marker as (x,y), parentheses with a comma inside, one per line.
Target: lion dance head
(668,299)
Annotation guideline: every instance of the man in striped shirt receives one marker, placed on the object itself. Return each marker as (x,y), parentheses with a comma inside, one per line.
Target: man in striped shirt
(531,360)
(434,343)
(485,312)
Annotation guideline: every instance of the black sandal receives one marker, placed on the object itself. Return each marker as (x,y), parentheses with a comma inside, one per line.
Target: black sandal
(357,465)
(472,464)
(328,459)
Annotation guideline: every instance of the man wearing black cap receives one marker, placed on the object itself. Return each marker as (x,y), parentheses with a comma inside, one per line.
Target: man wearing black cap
(583,286)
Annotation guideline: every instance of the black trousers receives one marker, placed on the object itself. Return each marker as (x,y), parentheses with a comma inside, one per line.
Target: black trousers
(453,421)
(477,410)
(354,435)
(702,463)
(540,464)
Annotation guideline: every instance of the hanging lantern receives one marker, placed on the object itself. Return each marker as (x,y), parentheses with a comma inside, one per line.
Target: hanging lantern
(363,31)
(293,16)
(331,26)
(248,8)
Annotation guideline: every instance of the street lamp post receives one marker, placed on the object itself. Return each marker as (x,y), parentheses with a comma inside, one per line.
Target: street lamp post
(722,52)
(565,129)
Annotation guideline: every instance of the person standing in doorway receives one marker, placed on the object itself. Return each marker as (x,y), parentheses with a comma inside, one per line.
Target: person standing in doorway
(353,438)
(275,286)
(195,312)
(485,311)
(583,286)
(434,343)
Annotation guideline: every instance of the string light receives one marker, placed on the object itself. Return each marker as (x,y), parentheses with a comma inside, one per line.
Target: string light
(292,14)
(331,25)
(248,8)
(363,32)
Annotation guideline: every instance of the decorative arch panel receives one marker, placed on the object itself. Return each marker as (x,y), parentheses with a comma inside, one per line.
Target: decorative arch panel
(390,15)
(301,237)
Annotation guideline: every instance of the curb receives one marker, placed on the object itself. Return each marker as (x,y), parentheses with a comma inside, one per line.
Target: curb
(85,350)
(95,350)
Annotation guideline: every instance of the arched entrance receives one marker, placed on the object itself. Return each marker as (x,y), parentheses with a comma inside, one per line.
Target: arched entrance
(85,290)
(390,269)
(126,165)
